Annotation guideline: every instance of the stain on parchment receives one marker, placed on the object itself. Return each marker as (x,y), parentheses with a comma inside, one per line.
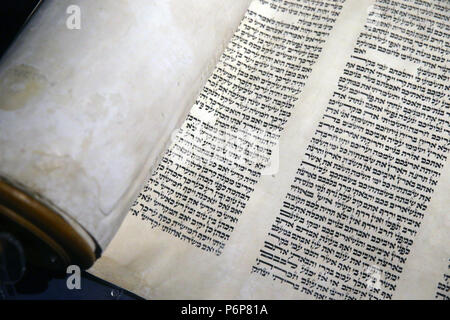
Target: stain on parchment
(18,85)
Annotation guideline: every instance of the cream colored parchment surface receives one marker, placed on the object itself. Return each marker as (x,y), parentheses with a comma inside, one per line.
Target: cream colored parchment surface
(155,265)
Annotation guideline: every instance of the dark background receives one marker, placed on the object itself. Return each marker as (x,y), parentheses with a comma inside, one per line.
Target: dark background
(39,284)
(13,16)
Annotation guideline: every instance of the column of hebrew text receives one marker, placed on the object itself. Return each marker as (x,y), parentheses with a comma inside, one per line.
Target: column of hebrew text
(229,139)
(364,185)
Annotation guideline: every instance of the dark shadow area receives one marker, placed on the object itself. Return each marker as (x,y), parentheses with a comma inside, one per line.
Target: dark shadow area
(13,16)
(40,284)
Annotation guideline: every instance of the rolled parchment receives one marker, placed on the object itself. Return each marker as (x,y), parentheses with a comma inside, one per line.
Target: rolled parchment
(90,94)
